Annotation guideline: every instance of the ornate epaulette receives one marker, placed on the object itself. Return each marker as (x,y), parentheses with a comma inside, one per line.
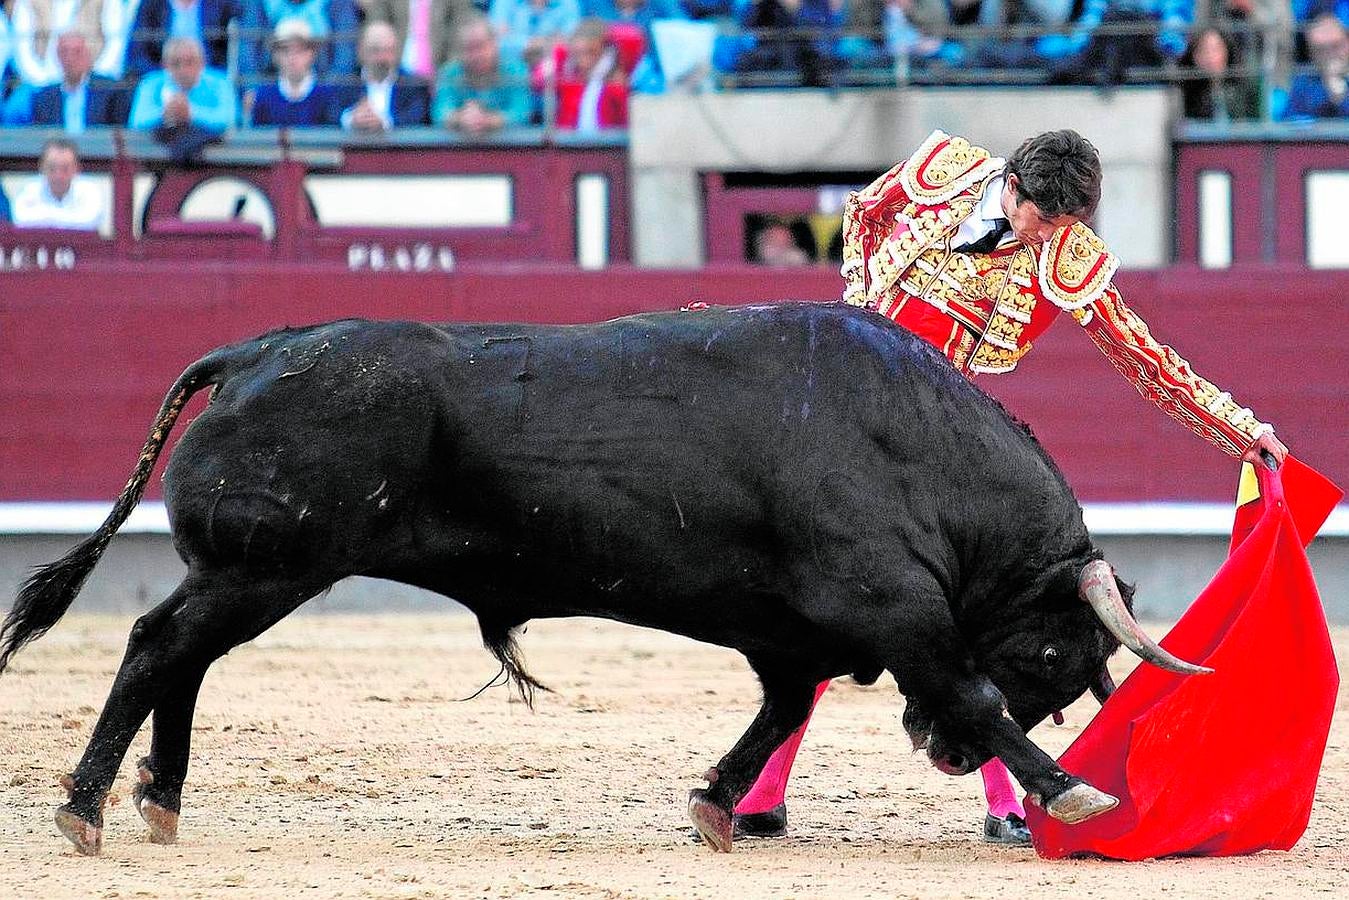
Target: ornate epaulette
(943,166)
(1075,267)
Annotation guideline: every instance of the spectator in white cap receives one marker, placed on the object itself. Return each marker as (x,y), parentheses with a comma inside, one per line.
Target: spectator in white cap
(332,23)
(297,98)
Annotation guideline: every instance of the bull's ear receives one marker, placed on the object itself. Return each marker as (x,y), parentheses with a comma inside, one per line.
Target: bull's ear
(1061,588)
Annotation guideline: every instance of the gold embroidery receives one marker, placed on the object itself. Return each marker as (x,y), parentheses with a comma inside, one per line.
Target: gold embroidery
(1076,267)
(961,354)
(1165,378)
(917,230)
(854,266)
(991,360)
(944,166)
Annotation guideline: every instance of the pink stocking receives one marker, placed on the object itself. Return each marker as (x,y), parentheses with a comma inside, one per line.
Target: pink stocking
(771,787)
(999,789)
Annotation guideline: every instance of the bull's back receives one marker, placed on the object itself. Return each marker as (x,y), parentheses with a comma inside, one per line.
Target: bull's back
(698,453)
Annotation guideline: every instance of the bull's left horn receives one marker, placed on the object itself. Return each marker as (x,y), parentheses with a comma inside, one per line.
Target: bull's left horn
(1097,587)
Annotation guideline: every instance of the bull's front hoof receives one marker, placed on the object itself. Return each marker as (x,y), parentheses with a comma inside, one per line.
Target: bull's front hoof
(713,822)
(1080,803)
(163,822)
(86,836)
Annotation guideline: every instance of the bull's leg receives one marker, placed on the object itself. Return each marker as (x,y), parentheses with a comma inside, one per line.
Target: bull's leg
(762,812)
(1063,796)
(974,714)
(160,776)
(954,705)
(169,647)
(787,700)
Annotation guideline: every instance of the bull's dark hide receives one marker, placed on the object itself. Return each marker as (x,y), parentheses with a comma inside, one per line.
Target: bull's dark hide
(808,484)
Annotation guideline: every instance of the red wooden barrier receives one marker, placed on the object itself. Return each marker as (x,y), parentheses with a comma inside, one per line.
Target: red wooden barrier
(87,355)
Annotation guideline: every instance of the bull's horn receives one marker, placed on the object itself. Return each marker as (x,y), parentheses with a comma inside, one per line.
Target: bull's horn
(1097,587)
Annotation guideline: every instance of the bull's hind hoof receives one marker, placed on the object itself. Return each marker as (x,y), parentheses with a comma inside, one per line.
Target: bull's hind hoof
(87,837)
(163,822)
(713,822)
(1080,803)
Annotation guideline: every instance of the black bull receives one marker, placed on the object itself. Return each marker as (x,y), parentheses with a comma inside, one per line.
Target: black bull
(807,484)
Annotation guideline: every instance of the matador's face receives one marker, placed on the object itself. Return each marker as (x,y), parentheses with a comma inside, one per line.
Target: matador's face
(1031,226)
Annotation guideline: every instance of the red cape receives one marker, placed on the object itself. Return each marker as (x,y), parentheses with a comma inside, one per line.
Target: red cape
(1221,764)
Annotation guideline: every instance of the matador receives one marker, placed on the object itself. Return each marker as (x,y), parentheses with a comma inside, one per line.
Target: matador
(978,255)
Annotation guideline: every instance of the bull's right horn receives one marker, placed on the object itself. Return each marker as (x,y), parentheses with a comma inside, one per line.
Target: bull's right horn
(1097,587)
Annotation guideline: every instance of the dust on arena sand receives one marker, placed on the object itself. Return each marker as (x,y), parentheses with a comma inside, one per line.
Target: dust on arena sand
(330,759)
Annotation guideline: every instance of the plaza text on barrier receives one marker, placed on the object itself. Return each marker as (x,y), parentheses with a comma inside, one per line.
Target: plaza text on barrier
(400,258)
(21,258)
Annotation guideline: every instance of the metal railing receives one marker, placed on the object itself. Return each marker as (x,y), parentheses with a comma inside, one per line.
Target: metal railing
(966,64)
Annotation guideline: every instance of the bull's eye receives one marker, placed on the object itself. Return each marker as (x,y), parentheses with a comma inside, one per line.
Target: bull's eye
(1051,657)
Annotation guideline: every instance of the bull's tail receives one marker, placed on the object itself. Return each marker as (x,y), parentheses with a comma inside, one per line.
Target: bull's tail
(499,639)
(49,591)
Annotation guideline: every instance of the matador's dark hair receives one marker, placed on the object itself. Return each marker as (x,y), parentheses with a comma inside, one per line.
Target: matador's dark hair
(1058,171)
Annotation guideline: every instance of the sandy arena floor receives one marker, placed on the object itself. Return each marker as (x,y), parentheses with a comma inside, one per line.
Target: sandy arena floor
(330,759)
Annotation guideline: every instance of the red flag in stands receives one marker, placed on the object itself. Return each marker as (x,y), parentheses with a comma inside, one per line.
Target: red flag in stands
(1221,764)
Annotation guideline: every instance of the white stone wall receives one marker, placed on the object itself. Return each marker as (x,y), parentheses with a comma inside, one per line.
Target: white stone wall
(675,137)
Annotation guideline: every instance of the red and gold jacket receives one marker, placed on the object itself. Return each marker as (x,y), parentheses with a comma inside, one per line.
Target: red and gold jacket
(984,311)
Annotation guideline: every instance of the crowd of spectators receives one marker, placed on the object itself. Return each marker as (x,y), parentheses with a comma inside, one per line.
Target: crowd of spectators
(189,69)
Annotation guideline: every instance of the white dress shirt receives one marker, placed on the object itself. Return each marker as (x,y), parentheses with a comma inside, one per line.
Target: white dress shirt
(980,222)
(83,208)
(74,106)
(295,95)
(379,94)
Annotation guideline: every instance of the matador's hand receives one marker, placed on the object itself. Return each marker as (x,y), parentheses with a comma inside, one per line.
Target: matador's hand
(1269,444)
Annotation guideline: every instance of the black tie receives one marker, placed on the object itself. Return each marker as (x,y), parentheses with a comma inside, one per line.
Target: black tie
(989,242)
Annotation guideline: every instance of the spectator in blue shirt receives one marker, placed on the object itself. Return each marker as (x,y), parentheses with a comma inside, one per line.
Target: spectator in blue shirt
(184,93)
(638,12)
(119,18)
(333,23)
(6,41)
(205,21)
(79,99)
(1309,10)
(296,98)
(1007,49)
(1325,94)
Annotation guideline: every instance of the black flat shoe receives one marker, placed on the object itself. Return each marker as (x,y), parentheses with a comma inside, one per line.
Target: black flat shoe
(772,823)
(1010,831)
